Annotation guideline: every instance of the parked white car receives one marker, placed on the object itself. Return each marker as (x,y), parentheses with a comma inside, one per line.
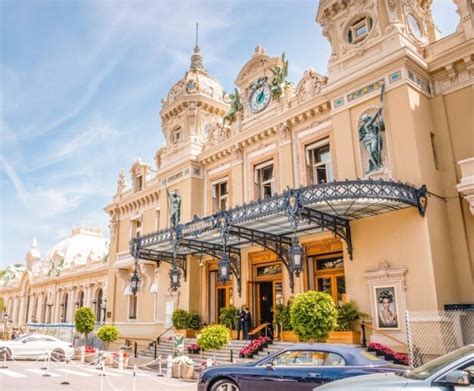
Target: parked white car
(36,346)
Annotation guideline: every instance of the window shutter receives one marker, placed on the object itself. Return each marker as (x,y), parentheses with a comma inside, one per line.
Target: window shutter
(213,191)
(273,188)
(255,176)
(308,157)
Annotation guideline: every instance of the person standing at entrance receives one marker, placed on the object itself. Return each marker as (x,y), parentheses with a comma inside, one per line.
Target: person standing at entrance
(247,322)
(240,322)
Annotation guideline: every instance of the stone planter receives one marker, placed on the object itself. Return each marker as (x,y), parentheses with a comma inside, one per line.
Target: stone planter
(108,360)
(346,337)
(90,357)
(185,372)
(289,336)
(187,333)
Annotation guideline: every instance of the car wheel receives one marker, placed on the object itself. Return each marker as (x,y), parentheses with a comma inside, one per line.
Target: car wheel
(57,355)
(225,385)
(7,351)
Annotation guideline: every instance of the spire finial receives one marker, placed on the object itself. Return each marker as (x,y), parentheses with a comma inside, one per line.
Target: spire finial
(197,34)
(196,58)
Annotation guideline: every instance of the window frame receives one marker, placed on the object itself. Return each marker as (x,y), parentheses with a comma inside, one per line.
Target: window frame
(308,366)
(216,194)
(311,157)
(366,21)
(260,182)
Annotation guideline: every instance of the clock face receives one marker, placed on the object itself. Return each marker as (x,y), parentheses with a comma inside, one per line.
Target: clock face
(259,98)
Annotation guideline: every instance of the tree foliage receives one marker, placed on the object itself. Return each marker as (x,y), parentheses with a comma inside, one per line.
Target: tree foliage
(313,316)
(228,317)
(213,337)
(108,333)
(84,320)
(185,320)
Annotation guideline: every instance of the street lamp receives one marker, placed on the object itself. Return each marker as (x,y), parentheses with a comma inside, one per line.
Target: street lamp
(224,268)
(296,255)
(175,277)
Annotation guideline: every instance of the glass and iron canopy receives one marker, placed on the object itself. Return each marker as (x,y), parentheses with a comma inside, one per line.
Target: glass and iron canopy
(277,223)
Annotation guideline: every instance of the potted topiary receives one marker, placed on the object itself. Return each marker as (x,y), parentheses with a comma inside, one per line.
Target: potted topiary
(228,318)
(84,320)
(313,316)
(213,337)
(107,333)
(186,323)
(346,317)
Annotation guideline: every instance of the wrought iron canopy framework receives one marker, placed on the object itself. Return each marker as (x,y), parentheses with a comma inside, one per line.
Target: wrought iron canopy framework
(275,221)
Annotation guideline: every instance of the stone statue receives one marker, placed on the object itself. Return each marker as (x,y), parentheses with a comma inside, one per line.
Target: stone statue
(370,128)
(279,82)
(174,207)
(235,107)
(121,183)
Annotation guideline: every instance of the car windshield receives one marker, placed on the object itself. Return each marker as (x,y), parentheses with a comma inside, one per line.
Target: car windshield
(432,367)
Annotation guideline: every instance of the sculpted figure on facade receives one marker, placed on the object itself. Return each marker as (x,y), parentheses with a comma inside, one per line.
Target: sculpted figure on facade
(235,107)
(174,207)
(279,82)
(121,183)
(371,127)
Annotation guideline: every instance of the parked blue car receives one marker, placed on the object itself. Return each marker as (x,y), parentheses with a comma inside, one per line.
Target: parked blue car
(297,368)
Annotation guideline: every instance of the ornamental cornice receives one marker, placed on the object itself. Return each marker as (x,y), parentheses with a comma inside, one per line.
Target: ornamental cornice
(269,128)
(457,50)
(135,202)
(200,101)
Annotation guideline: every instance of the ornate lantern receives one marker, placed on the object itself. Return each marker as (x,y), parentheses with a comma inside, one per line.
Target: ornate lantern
(175,277)
(224,269)
(296,255)
(134,281)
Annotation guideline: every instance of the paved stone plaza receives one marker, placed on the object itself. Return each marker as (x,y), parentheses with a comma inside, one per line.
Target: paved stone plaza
(28,375)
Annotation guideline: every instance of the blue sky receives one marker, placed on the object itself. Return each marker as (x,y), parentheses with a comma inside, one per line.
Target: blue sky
(81,85)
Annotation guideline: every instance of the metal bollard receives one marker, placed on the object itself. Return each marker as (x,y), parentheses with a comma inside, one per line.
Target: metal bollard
(135,347)
(102,379)
(155,349)
(231,355)
(66,375)
(364,339)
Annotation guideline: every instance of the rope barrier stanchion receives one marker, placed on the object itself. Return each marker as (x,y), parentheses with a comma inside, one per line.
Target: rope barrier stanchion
(99,361)
(102,379)
(66,375)
(160,368)
(169,364)
(4,352)
(83,354)
(47,374)
(45,364)
(120,360)
(134,384)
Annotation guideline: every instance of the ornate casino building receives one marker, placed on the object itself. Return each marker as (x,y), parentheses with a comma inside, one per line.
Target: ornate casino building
(358,182)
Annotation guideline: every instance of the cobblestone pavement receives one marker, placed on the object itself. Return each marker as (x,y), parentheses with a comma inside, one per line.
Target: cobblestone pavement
(28,375)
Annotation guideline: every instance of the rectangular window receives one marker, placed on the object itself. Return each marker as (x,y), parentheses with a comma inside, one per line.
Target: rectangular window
(136,227)
(139,183)
(318,162)
(264,180)
(132,307)
(219,196)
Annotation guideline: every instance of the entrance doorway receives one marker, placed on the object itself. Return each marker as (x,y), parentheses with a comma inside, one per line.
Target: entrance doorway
(266,302)
(220,295)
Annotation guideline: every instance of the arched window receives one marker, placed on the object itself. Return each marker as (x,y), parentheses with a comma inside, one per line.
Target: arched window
(64,305)
(80,299)
(98,306)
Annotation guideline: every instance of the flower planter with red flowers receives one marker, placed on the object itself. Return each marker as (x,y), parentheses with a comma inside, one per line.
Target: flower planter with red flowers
(193,348)
(401,359)
(90,354)
(116,359)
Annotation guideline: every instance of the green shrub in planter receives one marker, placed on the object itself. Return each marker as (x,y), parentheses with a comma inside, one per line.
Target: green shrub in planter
(194,321)
(84,320)
(282,316)
(228,317)
(180,319)
(107,334)
(313,316)
(346,316)
(213,337)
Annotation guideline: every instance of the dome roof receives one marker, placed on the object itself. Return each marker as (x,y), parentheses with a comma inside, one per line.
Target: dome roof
(196,81)
(83,245)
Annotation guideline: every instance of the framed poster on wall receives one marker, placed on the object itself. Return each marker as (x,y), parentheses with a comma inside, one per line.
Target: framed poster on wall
(387,314)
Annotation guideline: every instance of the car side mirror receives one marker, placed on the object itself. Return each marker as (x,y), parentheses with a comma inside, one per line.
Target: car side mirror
(458,378)
(269,366)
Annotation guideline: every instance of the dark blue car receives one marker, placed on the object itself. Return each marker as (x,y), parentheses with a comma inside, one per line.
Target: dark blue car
(298,367)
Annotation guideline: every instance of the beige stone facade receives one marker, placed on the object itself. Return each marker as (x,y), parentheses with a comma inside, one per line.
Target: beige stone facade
(46,291)
(309,135)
